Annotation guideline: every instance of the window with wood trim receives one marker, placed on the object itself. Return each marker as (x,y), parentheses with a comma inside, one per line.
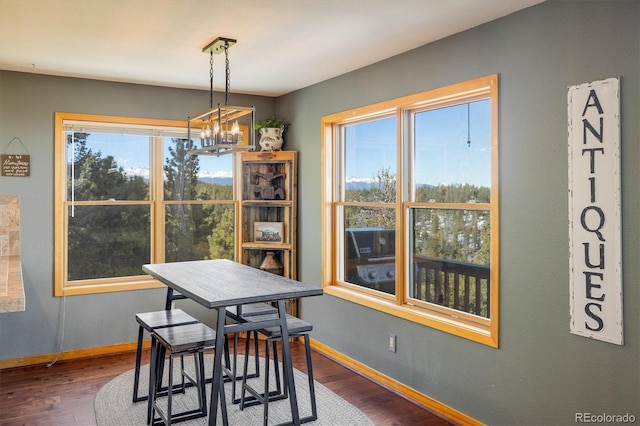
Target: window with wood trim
(127,193)
(410,208)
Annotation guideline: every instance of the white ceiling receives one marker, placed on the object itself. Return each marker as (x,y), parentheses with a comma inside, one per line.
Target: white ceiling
(282,45)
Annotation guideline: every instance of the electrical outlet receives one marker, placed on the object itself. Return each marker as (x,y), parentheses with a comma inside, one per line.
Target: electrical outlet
(392,342)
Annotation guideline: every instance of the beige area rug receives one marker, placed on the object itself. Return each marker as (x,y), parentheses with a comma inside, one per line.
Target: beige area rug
(114,406)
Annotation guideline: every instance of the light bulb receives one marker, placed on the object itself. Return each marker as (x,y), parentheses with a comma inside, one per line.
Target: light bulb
(235,128)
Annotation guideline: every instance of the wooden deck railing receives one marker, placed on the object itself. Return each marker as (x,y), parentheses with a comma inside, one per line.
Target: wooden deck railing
(457,285)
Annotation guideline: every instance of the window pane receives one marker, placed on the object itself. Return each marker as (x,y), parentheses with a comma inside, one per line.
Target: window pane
(450,260)
(370,161)
(199,231)
(189,177)
(369,217)
(104,166)
(420,167)
(108,241)
(452,159)
(369,248)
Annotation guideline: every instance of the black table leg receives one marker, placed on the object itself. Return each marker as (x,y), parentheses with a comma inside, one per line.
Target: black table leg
(163,350)
(168,302)
(217,383)
(286,360)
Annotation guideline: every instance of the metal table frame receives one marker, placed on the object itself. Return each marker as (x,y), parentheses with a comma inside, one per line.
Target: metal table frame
(218,284)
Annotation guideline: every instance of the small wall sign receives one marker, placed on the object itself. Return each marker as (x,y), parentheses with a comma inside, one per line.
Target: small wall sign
(595,246)
(18,165)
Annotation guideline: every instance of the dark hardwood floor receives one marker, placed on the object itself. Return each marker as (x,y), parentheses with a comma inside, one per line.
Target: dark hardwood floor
(64,393)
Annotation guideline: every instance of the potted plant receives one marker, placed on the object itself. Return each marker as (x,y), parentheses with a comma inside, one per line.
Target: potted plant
(271,122)
(271,131)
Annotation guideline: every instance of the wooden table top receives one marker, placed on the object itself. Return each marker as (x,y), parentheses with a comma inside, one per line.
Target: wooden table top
(220,283)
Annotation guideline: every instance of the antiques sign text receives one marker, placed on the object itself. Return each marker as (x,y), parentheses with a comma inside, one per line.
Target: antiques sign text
(594,210)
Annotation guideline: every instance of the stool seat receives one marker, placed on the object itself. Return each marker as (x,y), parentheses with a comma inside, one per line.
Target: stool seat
(160,319)
(295,325)
(187,337)
(151,321)
(249,310)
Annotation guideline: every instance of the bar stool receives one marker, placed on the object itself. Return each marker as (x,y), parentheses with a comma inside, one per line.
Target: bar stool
(296,328)
(188,339)
(151,321)
(248,310)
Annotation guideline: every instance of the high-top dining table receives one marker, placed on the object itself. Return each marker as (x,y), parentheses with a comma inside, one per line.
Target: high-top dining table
(218,284)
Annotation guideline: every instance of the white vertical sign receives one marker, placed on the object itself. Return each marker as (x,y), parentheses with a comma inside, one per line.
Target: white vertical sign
(594,210)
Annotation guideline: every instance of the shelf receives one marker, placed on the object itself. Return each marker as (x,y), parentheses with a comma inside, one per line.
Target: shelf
(267,195)
(265,246)
(266,203)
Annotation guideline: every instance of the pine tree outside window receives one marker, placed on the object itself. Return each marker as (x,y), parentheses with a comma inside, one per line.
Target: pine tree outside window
(128,193)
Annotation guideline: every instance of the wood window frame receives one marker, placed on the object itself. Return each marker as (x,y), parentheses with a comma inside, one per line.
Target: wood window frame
(481,330)
(64,287)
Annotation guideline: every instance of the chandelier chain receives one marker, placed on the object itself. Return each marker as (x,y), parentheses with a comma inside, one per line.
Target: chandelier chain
(228,73)
(211,80)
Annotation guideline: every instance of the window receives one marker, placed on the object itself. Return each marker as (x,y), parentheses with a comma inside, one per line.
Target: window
(128,193)
(410,211)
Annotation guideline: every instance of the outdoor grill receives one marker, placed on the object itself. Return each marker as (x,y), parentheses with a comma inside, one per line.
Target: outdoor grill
(370,258)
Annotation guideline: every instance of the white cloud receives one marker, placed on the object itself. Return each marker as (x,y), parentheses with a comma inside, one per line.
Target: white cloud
(137,171)
(359,179)
(216,174)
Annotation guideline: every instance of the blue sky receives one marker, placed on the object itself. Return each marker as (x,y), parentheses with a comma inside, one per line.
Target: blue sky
(442,154)
(131,153)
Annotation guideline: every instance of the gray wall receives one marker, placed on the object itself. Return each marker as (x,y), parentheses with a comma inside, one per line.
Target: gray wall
(27,106)
(541,374)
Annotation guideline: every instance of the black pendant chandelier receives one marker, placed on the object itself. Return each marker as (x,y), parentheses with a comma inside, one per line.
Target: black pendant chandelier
(218,128)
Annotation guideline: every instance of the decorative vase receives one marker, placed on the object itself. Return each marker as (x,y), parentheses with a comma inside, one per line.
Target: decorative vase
(271,138)
(271,264)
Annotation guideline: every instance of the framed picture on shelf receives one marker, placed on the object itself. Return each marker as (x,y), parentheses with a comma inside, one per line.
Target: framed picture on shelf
(268,232)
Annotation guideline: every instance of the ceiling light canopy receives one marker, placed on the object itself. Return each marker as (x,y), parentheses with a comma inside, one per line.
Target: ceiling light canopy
(218,128)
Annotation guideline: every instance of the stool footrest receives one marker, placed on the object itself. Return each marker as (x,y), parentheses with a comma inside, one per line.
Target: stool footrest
(175,418)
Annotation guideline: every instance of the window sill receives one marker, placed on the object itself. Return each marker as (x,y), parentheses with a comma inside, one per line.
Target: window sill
(449,323)
(142,282)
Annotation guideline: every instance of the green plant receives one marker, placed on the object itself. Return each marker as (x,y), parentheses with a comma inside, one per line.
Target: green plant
(272,121)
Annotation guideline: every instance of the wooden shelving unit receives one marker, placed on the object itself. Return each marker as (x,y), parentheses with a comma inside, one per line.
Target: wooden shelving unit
(267,196)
